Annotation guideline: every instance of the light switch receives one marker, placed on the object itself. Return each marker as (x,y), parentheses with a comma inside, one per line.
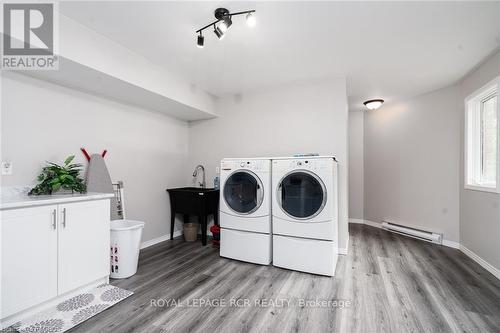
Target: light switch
(6,168)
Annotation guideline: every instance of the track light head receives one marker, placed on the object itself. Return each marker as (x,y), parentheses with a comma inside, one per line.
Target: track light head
(218,32)
(250,18)
(226,23)
(201,41)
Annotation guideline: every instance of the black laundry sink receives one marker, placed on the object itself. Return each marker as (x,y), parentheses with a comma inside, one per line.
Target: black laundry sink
(192,189)
(194,201)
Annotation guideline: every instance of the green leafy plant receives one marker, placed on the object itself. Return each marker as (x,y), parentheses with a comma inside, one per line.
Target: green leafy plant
(55,177)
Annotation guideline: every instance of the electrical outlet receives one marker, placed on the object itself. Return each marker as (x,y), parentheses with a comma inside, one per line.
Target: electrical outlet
(6,168)
(217,169)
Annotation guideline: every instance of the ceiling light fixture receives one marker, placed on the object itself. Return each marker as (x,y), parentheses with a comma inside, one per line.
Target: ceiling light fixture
(222,14)
(374,104)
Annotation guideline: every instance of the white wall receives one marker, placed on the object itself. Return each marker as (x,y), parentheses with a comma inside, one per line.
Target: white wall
(412,161)
(281,122)
(356,165)
(44,122)
(479,211)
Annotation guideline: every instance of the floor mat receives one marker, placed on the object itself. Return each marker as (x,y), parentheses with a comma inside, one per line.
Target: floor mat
(73,311)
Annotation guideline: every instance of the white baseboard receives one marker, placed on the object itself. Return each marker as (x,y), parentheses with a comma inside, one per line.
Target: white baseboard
(373,224)
(483,263)
(160,239)
(163,238)
(451,244)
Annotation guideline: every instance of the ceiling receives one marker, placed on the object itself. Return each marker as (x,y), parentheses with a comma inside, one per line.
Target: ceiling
(391,50)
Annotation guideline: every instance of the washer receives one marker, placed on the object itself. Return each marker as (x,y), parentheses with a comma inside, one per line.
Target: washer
(245,210)
(305,214)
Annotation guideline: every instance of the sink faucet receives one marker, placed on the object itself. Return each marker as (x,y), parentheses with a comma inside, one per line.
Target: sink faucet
(195,173)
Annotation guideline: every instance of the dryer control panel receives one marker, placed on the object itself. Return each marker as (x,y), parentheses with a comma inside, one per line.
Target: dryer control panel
(303,163)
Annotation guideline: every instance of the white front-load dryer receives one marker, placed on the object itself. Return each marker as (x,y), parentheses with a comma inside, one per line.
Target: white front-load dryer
(245,209)
(305,197)
(305,214)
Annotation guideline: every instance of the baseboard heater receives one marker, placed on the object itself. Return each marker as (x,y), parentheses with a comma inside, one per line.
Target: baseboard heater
(412,232)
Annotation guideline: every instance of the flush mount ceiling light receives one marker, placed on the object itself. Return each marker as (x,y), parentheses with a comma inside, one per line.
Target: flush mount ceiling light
(225,17)
(374,104)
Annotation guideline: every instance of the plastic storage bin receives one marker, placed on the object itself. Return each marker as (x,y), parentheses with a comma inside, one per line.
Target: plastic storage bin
(125,244)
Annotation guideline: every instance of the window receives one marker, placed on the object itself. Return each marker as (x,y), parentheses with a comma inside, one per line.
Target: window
(482,152)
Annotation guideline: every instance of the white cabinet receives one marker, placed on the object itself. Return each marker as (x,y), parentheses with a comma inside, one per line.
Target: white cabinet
(29,257)
(83,243)
(47,251)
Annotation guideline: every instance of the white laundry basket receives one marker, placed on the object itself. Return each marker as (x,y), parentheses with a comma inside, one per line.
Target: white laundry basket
(125,246)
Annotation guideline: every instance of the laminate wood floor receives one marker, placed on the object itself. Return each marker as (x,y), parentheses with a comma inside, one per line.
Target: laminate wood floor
(387,283)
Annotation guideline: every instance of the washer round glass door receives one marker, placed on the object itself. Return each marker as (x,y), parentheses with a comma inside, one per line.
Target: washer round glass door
(301,194)
(243,192)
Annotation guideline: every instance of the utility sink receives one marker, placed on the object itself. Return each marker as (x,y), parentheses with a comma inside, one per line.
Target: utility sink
(194,201)
(193,189)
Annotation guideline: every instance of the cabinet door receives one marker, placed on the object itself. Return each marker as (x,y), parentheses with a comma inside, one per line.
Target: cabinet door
(83,243)
(28,257)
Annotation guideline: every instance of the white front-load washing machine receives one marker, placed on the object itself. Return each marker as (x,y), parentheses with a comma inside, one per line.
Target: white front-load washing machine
(305,214)
(245,210)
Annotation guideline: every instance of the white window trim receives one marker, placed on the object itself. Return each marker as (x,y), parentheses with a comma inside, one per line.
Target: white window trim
(472,100)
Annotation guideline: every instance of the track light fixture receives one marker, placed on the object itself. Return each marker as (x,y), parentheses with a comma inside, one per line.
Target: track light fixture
(225,17)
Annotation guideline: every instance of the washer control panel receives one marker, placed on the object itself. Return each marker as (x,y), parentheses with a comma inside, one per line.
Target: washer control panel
(254,165)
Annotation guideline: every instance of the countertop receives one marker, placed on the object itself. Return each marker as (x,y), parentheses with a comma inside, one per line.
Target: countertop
(19,198)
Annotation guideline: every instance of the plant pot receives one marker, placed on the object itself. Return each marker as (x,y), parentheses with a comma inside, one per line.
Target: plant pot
(191,232)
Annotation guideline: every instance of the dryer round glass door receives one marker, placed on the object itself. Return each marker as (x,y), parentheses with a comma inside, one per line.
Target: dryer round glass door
(301,194)
(243,192)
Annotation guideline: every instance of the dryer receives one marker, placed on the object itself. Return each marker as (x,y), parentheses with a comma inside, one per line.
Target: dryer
(245,209)
(305,214)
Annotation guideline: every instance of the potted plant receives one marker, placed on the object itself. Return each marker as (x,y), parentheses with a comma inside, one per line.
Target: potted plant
(62,179)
